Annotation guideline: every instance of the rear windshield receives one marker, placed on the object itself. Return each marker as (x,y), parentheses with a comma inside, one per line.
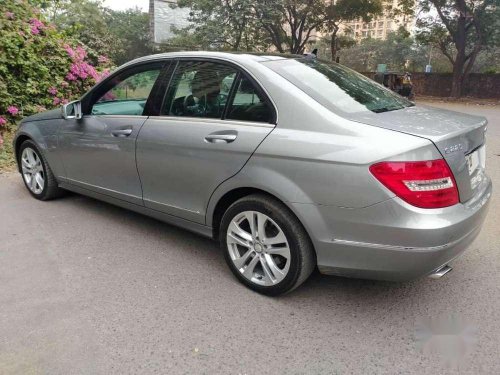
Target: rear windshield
(336,87)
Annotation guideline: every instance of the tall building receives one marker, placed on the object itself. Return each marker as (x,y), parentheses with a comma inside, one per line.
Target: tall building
(380,26)
(164,17)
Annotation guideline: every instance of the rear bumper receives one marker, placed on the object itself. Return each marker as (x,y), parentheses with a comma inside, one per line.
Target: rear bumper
(392,240)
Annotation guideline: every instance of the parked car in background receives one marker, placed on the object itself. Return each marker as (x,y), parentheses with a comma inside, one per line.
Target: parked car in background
(294,164)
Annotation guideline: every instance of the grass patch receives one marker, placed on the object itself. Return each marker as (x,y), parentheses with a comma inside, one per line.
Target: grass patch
(7,161)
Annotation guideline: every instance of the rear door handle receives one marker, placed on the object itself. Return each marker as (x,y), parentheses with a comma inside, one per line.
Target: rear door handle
(121,132)
(221,138)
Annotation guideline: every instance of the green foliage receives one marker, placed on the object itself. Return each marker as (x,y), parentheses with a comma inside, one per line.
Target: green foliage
(7,161)
(461,29)
(399,51)
(395,51)
(290,23)
(130,29)
(345,11)
(221,25)
(118,35)
(84,20)
(286,25)
(39,66)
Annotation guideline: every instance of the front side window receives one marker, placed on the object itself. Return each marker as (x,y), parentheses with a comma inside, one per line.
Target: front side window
(128,94)
(199,89)
(248,104)
(338,88)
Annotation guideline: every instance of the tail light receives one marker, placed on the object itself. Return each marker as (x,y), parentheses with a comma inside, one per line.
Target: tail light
(425,184)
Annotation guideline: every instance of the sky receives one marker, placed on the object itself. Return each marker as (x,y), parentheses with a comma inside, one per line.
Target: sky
(125,4)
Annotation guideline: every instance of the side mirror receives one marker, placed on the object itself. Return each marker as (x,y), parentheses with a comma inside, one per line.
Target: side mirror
(72,110)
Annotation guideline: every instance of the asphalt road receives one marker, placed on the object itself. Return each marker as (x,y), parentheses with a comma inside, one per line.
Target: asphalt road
(88,288)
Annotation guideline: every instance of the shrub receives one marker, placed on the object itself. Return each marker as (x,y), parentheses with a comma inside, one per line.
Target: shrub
(40,67)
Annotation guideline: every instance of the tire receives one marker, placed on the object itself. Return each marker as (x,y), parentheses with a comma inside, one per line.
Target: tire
(277,260)
(50,190)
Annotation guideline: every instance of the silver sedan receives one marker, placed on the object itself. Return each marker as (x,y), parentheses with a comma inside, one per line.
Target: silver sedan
(290,162)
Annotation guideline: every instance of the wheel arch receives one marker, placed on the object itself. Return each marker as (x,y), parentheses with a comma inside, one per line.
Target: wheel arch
(20,139)
(226,200)
(218,208)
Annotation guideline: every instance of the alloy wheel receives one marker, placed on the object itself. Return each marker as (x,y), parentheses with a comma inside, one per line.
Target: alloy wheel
(32,168)
(258,248)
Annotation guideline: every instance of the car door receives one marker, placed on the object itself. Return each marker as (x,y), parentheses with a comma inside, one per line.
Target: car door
(98,151)
(213,118)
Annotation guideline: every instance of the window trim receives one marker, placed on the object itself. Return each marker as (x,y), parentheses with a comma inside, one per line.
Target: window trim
(232,94)
(104,86)
(240,70)
(161,86)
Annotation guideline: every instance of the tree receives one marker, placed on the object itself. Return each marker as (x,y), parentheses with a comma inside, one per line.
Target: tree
(461,29)
(118,35)
(348,10)
(130,29)
(290,23)
(85,20)
(39,66)
(399,51)
(226,25)
(287,25)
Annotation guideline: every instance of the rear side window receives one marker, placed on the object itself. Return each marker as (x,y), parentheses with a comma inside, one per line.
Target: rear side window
(199,89)
(248,104)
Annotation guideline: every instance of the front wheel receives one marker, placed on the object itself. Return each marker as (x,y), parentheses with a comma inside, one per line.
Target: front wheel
(37,175)
(265,245)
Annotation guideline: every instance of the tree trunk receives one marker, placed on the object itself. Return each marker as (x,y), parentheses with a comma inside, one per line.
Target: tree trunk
(237,43)
(458,75)
(333,44)
(456,85)
(460,40)
(333,47)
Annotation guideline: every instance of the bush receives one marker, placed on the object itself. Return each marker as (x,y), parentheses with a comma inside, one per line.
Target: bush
(40,68)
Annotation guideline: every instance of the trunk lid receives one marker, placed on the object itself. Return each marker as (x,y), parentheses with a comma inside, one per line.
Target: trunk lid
(459,137)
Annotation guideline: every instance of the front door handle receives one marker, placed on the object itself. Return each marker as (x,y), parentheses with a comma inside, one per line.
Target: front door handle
(121,132)
(220,138)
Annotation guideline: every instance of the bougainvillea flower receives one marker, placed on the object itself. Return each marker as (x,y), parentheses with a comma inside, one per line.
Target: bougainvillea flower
(37,23)
(69,50)
(52,91)
(9,15)
(3,121)
(13,110)
(103,60)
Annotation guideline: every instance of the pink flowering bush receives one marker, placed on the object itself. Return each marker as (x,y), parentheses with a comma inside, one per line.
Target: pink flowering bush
(13,110)
(40,68)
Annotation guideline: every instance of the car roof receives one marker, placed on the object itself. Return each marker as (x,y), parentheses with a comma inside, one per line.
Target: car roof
(232,56)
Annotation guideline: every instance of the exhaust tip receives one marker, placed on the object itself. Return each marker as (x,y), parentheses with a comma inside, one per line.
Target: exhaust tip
(440,272)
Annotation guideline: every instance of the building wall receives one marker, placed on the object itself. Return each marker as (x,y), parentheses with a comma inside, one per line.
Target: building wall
(379,27)
(164,16)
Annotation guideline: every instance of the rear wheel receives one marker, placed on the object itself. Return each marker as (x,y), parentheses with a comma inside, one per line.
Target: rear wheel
(37,175)
(265,245)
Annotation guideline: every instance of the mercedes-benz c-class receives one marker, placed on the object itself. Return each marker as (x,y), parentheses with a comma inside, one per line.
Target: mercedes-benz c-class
(290,162)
